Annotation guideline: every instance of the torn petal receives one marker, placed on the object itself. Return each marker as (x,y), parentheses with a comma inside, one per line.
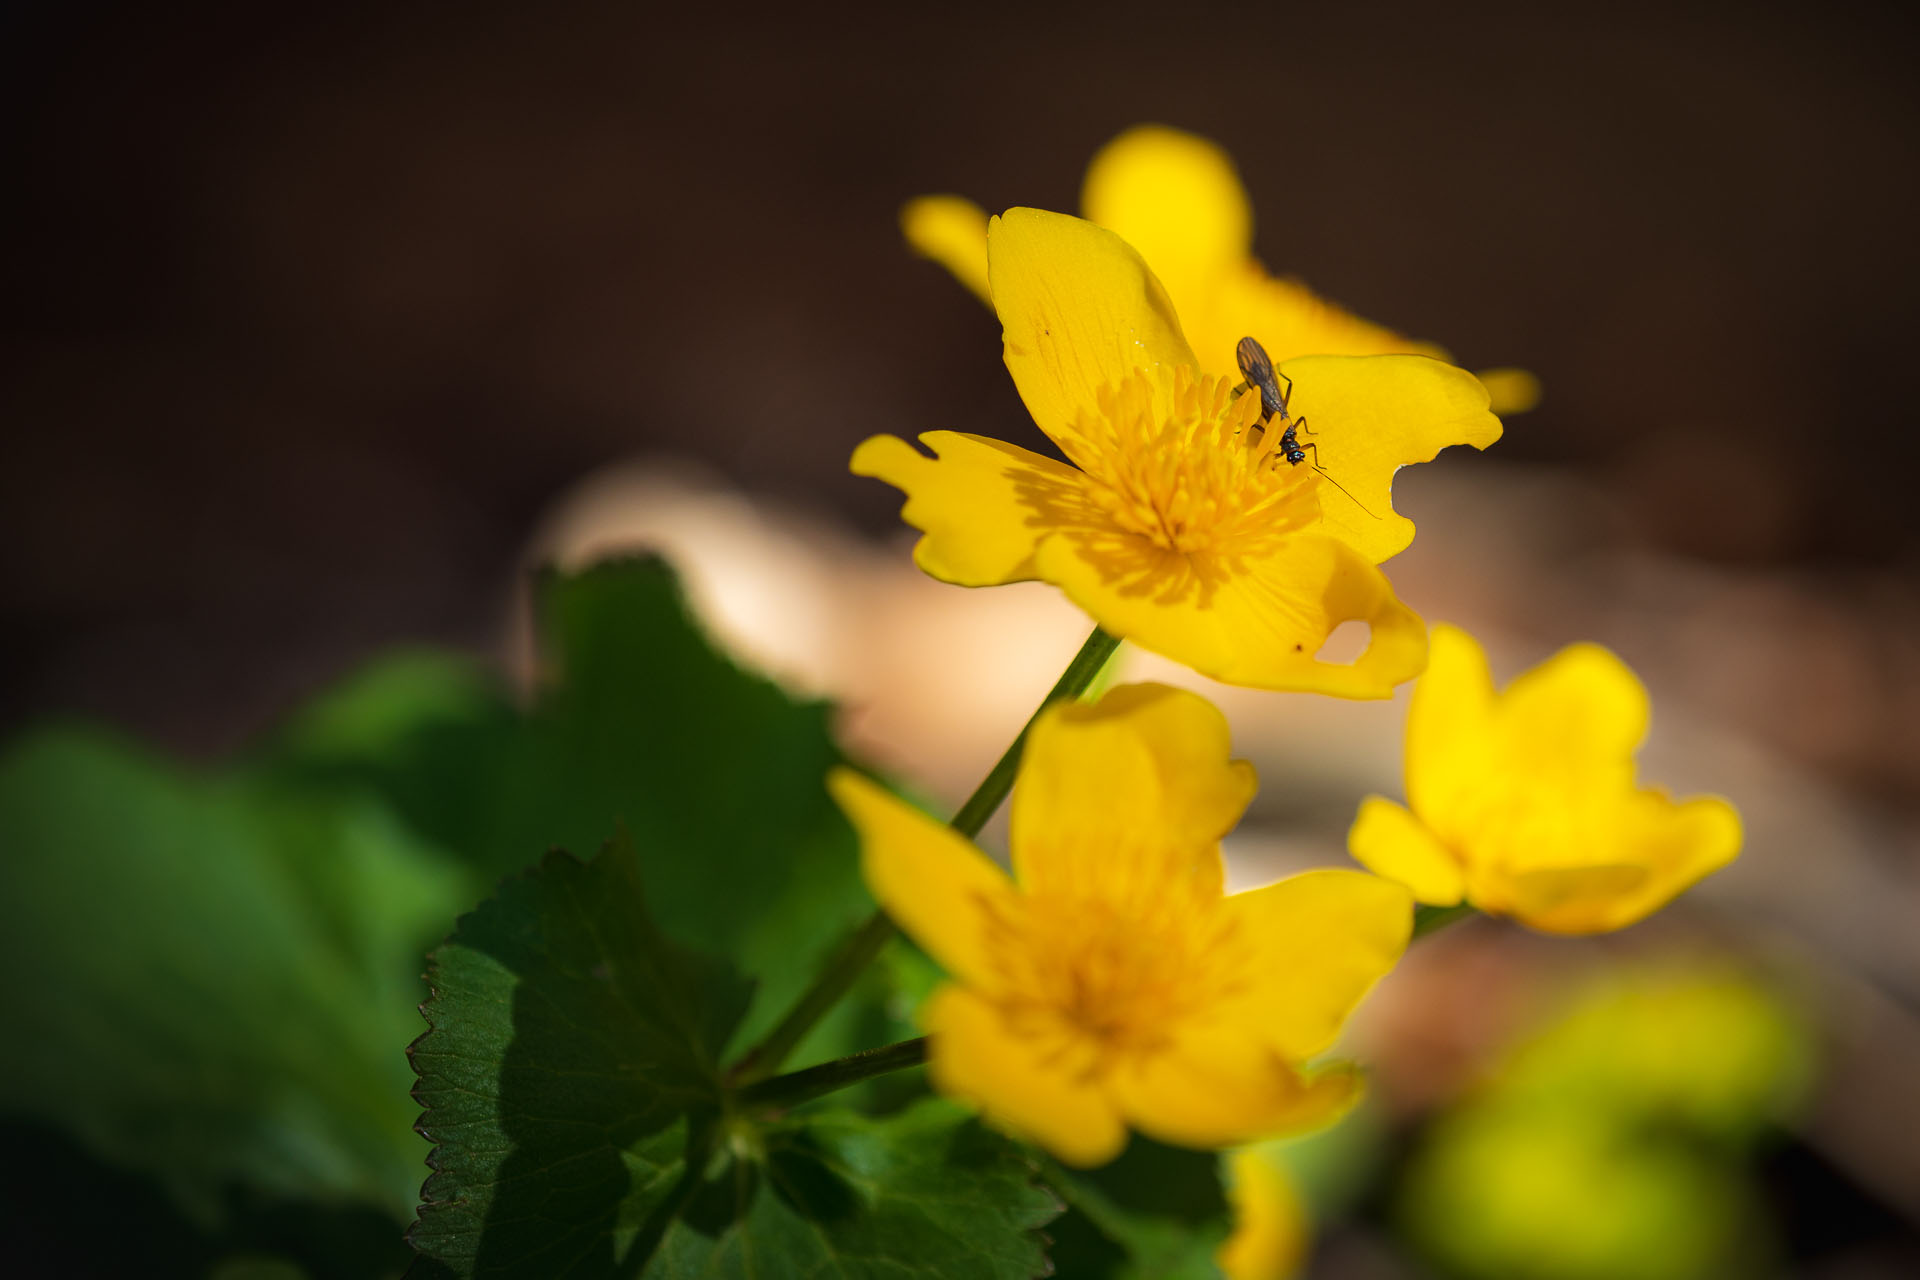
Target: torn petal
(1365,418)
(1256,620)
(984,505)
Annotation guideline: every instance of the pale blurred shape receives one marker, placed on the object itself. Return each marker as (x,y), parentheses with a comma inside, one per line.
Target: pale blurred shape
(1617,1142)
(933,680)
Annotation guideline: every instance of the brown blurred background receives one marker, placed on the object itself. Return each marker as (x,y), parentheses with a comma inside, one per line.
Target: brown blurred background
(309,315)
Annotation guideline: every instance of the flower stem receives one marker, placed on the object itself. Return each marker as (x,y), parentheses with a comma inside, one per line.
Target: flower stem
(871,938)
(796,1087)
(1073,682)
(1428,919)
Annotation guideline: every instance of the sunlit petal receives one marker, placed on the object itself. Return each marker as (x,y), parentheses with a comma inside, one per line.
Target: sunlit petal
(1577,718)
(1136,786)
(943,892)
(1257,620)
(1030,1080)
(1390,842)
(1362,418)
(983,505)
(1213,1089)
(1673,845)
(1319,940)
(1449,722)
(1079,311)
(1571,899)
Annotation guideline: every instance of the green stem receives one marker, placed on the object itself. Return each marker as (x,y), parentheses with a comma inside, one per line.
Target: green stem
(1073,682)
(1428,919)
(871,938)
(796,1087)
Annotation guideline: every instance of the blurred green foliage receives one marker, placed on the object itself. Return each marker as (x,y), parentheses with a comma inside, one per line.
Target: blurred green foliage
(637,720)
(1616,1144)
(214,973)
(1156,1213)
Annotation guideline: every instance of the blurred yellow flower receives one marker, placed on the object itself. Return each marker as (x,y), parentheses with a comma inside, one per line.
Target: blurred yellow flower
(1183,525)
(1525,802)
(1270,1229)
(1111,983)
(1177,199)
(1616,1143)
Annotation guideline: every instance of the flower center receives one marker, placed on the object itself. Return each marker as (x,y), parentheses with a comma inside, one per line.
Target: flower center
(1183,463)
(1124,974)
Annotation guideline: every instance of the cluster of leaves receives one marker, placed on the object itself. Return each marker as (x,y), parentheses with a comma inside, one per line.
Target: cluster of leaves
(215,976)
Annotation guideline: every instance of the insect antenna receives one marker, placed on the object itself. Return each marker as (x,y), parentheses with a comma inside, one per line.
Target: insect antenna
(1342,488)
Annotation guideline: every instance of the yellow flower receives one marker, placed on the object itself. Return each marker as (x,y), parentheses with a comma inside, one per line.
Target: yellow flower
(1182,525)
(1177,199)
(1111,983)
(1270,1227)
(1525,802)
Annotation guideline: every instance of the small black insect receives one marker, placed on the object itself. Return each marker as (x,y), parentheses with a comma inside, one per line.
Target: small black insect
(1258,371)
(1257,368)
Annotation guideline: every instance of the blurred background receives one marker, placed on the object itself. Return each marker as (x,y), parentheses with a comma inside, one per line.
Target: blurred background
(321,328)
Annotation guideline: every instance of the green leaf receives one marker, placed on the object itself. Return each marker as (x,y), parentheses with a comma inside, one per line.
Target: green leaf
(571,1084)
(1156,1213)
(570,1075)
(207,978)
(639,721)
(927,1192)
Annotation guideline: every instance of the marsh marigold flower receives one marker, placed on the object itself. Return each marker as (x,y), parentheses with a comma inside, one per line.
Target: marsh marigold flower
(1177,199)
(1111,982)
(1182,525)
(1525,803)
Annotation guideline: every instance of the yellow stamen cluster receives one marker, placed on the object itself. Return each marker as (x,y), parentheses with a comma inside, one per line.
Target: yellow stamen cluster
(1122,969)
(1179,460)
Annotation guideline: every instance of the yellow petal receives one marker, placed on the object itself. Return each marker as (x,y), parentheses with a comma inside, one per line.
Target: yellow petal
(943,893)
(1390,842)
(1270,1229)
(952,231)
(1176,198)
(1571,899)
(1250,620)
(1078,311)
(1448,733)
(1287,318)
(1682,841)
(1511,390)
(1218,1089)
(1133,790)
(1032,1081)
(1577,718)
(1320,941)
(1673,844)
(983,504)
(1365,417)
